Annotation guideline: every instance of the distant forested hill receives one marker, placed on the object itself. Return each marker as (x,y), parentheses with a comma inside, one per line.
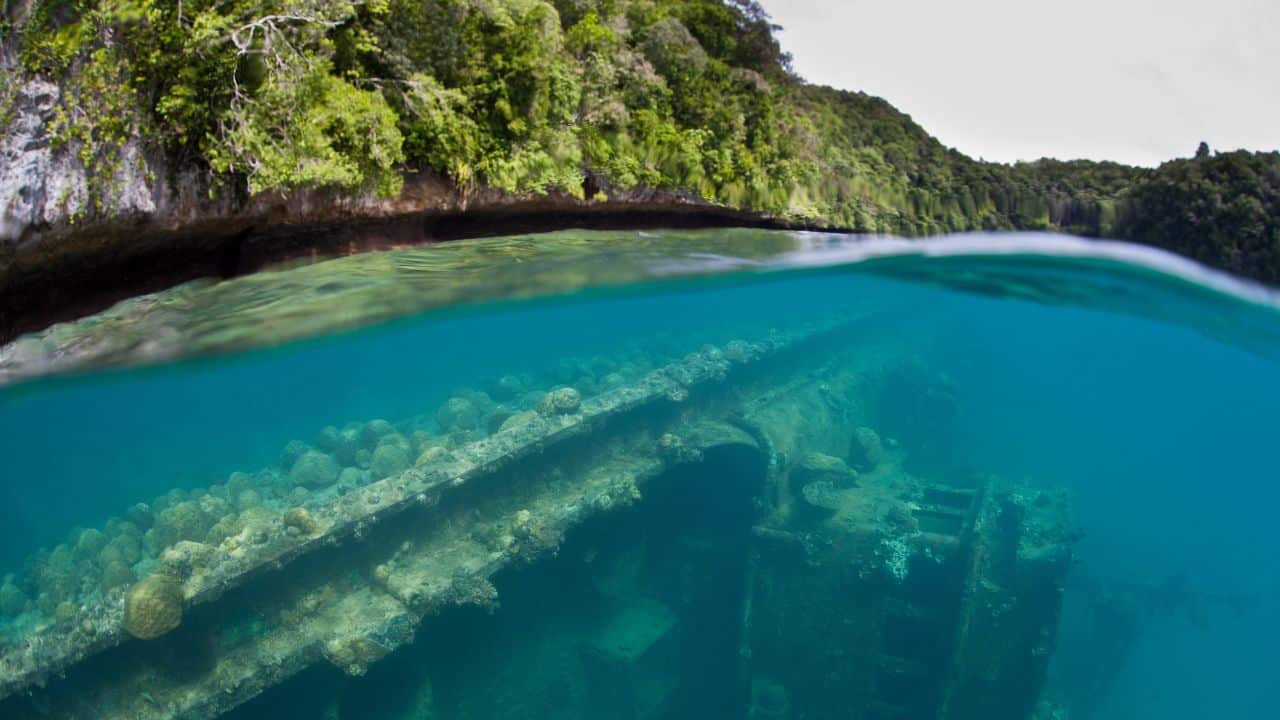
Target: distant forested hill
(584,97)
(1223,210)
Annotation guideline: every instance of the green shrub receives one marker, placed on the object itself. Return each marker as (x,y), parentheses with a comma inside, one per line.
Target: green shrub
(315,131)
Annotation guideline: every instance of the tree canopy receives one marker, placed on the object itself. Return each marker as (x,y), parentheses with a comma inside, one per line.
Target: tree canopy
(577,97)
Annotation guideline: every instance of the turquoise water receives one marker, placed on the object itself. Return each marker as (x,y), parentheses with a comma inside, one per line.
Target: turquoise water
(1143,389)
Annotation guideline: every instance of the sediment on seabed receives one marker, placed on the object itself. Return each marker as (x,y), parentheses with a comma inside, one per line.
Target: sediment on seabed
(348,577)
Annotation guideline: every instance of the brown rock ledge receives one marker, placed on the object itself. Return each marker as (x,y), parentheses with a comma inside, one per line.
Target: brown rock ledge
(58,273)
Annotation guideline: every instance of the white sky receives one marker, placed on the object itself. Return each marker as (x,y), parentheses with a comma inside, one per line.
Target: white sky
(1137,81)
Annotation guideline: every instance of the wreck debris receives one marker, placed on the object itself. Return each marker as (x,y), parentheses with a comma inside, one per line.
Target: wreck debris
(941,590)
(347,571)
(446,567)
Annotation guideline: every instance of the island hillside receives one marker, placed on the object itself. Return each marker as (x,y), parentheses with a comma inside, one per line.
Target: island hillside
(143,142)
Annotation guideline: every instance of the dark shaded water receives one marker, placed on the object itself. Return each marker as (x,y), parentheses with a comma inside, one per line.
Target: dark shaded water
(1144,388)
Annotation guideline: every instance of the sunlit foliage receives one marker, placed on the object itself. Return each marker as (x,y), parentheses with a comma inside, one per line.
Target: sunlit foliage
(577,97)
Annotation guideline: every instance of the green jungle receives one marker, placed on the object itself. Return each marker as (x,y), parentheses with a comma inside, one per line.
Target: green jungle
(588,98)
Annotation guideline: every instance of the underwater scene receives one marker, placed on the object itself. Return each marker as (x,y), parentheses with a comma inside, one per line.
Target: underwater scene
(649,476)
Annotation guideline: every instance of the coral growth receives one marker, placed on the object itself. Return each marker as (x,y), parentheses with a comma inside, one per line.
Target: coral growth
(518,420)
(353,655)
(868,451)
(314,469)
(187,535)
(509,386)
(153,607)
(457,414)
(115,575)
(833,470)
(184,560)
(300,519)
(560,401)
(534,535)
(896,554)
(186,520)
(12,600)
(389,459)
(375,430)
(672,448)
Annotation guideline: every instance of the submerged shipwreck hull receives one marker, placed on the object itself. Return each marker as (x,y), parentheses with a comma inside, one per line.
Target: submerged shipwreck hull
(860,589)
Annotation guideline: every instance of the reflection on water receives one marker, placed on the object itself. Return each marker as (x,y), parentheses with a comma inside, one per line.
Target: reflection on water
(722,474)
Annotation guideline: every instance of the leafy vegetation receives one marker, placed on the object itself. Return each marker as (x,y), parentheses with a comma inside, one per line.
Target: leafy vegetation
(583,97)
(1223,210)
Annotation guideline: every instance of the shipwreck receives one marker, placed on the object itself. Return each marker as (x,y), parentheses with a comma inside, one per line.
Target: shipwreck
(725,534)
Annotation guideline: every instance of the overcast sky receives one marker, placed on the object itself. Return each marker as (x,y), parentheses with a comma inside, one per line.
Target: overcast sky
(1138,81)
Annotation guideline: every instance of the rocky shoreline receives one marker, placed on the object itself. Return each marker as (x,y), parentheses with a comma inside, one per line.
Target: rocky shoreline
(61,271)
(73,243)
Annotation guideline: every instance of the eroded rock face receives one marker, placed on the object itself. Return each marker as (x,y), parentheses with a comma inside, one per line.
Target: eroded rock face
(43,185)
(153,607)
(25,158)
